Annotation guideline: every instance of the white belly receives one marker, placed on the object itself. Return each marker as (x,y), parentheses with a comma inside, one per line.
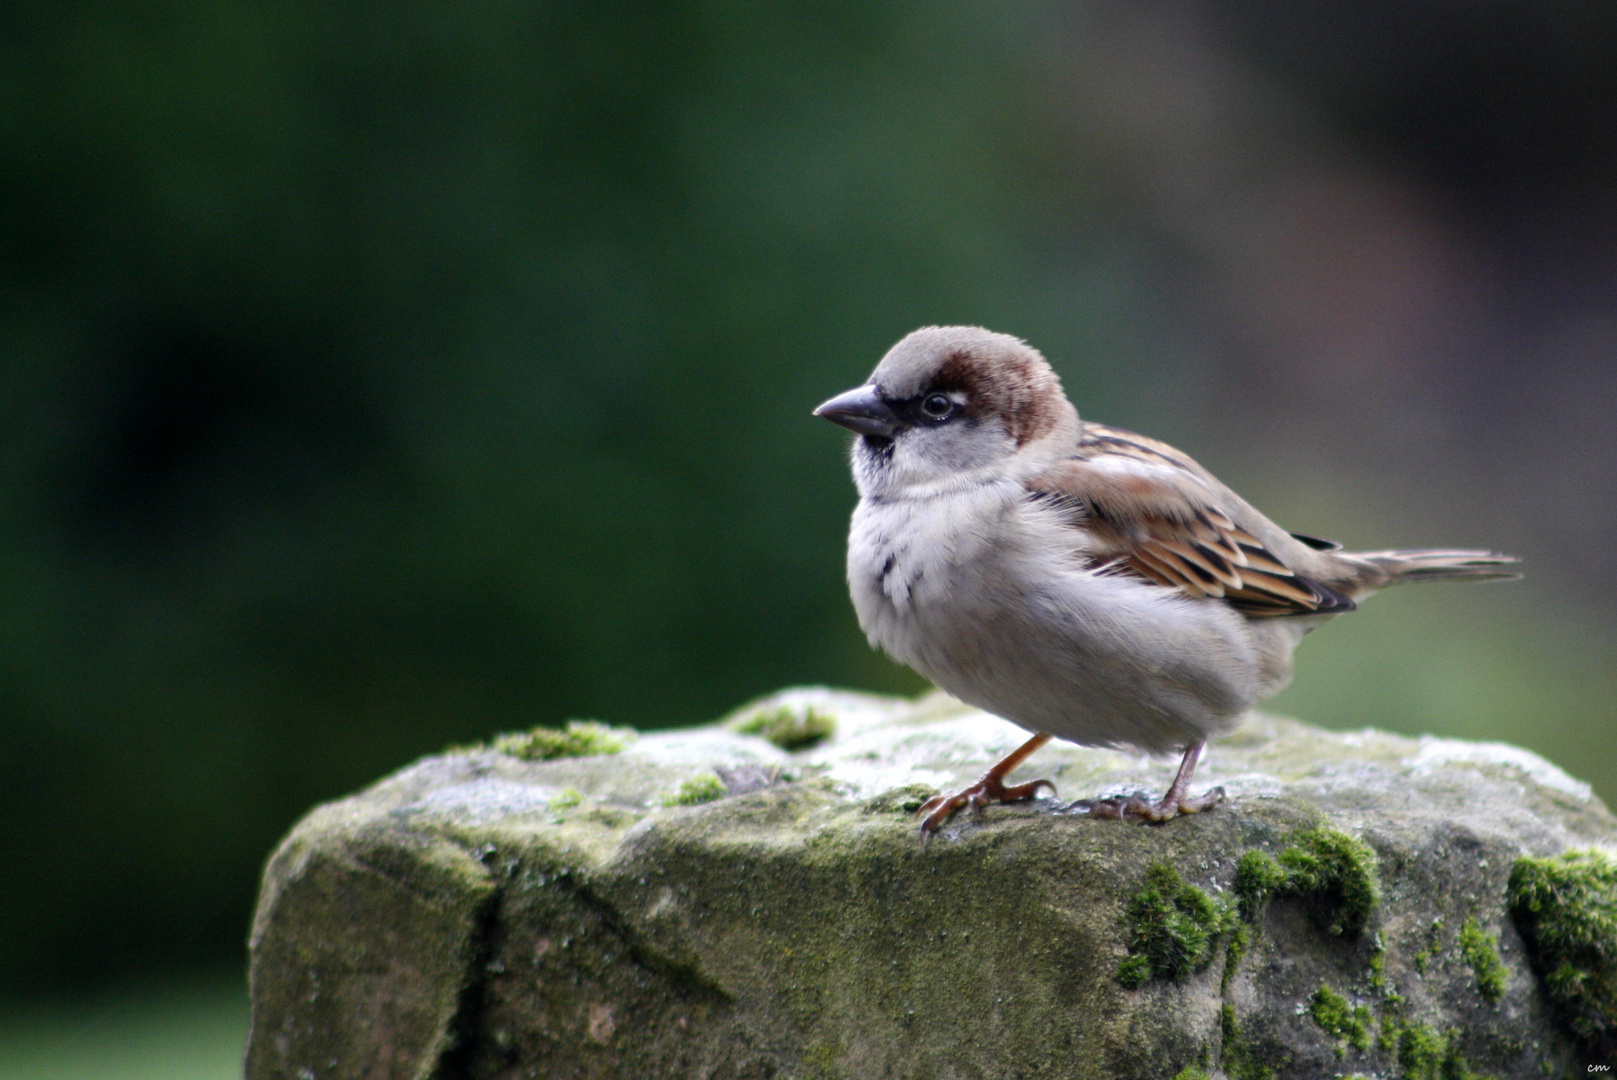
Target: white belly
(1036,638)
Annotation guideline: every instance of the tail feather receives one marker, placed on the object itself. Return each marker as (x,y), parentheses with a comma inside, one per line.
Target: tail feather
(1438,564)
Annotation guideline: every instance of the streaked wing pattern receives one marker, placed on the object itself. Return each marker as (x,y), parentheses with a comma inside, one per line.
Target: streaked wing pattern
(1150,514)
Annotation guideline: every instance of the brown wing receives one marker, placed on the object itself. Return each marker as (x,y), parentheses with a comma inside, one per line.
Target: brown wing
(1154,513)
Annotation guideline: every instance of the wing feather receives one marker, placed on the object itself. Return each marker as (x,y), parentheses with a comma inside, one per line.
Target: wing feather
(1150,511)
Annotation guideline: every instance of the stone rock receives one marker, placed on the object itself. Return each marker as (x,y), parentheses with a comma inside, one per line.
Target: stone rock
(479,915)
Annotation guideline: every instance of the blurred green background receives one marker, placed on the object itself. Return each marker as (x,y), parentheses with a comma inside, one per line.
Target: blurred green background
(379,377)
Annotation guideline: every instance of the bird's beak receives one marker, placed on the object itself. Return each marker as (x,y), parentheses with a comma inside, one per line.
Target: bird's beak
(861,410)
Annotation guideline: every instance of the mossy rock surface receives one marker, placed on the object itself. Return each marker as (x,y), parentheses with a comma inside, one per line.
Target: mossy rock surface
(480,915)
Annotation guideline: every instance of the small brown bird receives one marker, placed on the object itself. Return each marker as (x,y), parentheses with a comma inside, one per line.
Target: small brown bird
(1079,580)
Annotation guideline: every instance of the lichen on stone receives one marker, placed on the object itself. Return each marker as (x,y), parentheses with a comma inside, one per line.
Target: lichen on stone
(702,789)
(1566,910)
(1481,951)
(1349,1023)
(581,738)
(799,929)
(1333,872)
(788,727)
(1173,928)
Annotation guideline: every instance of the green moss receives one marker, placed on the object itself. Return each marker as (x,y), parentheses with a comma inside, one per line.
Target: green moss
(582,738)
(1234,953)
(1173,928)
(787,727)
(1425,1054)
(1434,934)
(566,799)
(1481,950)
(1239,1060)
(1566,910)
(1257,878)
(1333,872)
(703,789)
(1420,1051)
(821,1061)
(1191,1072)
(1337,1018)
(904,800)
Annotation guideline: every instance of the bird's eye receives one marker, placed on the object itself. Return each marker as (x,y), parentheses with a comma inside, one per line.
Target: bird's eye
(937,406)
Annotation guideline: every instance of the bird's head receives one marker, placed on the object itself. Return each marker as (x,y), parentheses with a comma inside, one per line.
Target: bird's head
(949,405)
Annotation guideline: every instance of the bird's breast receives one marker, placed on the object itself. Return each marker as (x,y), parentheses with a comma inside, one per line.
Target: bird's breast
(926,565)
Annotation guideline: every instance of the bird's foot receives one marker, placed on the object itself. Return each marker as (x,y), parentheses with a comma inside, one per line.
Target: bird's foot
(988,789)
(1177,801)
(1133,808)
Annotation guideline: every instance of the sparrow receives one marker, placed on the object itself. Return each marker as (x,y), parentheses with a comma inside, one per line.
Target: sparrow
(1079,580)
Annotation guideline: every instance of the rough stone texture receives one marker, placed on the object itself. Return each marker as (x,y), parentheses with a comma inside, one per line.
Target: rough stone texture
(466,917)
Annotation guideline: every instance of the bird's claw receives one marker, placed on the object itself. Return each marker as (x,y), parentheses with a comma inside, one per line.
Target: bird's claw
(988,789)
(1133,808)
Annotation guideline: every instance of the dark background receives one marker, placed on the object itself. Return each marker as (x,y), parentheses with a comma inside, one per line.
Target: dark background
(380,377)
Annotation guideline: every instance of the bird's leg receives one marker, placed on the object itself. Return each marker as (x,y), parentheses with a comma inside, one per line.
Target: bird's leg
(989,788)
(1174,803)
